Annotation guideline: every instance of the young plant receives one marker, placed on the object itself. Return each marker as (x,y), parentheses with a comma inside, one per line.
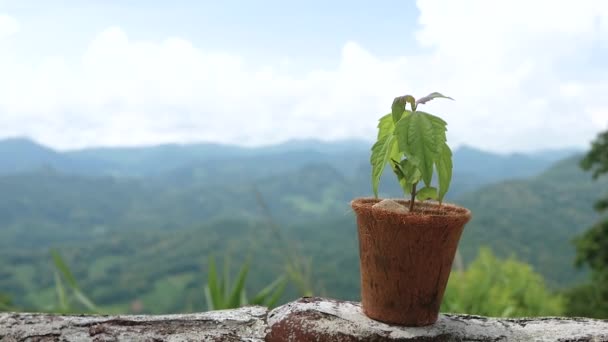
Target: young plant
(220,294)
(413,142)
(64,303)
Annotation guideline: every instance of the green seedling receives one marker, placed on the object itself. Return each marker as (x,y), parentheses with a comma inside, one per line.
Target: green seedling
(414,144)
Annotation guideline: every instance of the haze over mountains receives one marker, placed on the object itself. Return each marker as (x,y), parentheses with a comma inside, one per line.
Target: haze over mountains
(138,223)
(23,154)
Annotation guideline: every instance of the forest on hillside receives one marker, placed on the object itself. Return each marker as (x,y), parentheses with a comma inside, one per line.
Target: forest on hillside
(137,228)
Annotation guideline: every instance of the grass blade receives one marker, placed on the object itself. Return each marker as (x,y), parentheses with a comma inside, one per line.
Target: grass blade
(239,286)
(61,297)
(214,286)
(64,269)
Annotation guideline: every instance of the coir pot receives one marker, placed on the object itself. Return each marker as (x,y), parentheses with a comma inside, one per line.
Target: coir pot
(406,259)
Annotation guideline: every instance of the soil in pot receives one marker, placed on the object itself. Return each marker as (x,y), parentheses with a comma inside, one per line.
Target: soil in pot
(406,258)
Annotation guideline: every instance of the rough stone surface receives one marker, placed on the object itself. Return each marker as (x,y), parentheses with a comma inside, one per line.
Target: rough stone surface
(245,324)
(308,319)
(317,319)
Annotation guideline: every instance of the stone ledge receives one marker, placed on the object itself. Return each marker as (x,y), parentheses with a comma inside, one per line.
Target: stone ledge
(244,324)
(307,319)
(317,319)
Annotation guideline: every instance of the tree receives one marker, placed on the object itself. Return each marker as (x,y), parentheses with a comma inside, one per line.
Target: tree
(592,246)
(504,288)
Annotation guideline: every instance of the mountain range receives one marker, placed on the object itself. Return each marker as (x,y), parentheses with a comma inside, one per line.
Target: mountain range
(140,223)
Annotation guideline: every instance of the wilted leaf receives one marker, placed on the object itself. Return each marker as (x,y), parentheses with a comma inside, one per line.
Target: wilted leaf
(411,100)
(431,96)
(398,108)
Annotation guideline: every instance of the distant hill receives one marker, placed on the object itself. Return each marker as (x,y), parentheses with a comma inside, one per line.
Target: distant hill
(535,219)
(167,243)
(22,155)
(167,208)
(185,161)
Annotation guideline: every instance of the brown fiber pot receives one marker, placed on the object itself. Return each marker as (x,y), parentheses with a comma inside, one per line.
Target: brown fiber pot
(406,259)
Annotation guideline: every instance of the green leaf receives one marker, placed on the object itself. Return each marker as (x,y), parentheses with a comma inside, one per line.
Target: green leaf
(272,302)
(64,269)
(61,297)
(398,108)
(84,300)
(443,164)
(244,301)
(426,193)
(381,154)
(431,96)
(224,285)
(214,286)
(386,126)
(411,173)
(208,298)
(274,290)
(407,173)
(239,287)
(416,138)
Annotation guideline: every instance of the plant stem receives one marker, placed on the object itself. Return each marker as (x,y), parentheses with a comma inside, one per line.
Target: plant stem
(413,197)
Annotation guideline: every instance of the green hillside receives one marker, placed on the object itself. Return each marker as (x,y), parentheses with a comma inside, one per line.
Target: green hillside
(147,238)
(535,219)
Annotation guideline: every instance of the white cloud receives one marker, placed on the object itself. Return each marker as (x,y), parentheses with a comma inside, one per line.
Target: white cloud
(520,73)
(8,26)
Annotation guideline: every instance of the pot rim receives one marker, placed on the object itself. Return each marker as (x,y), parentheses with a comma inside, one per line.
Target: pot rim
(454,210)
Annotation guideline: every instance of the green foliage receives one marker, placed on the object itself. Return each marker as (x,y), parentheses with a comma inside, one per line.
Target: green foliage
(503,288)
(533,218)
(592,246)
(426,193)
(596,160)
(221,294)
(143,240)
(414,143)
(5,303)
(589,299)
(62,271)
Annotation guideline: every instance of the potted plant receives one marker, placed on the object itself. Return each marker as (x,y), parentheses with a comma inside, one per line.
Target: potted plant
(407,247)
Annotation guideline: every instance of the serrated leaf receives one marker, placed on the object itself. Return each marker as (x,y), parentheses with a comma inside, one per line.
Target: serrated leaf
(443,164)
(426,193)
(411,172)
(386,126)
(381,154)
(398,108)
(415,135)
(429,97)
(400,177)
(407,173)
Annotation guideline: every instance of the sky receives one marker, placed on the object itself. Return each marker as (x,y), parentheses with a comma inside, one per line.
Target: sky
(525,75)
